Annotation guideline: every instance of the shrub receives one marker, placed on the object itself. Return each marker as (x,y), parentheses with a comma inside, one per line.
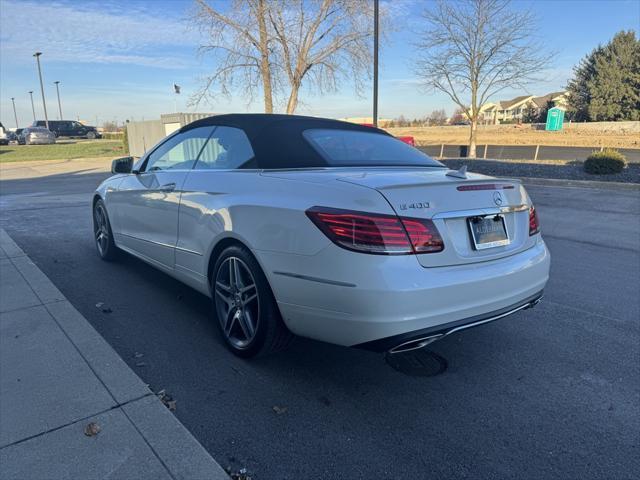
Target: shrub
(112,135)
(604,162)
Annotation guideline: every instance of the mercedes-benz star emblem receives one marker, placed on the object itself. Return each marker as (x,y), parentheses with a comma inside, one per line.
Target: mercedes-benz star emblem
(497,198)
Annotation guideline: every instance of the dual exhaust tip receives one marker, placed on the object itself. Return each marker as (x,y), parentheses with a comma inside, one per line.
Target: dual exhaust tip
(422,342)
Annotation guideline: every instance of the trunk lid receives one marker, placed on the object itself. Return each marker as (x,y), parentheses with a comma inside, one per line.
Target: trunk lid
(449,202)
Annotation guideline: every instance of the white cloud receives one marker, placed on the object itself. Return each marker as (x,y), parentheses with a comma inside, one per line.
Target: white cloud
(75,33)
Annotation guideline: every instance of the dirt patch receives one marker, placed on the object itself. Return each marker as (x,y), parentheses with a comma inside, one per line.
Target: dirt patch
(525,135)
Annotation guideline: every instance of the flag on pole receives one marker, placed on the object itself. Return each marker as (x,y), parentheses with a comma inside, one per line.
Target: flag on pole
(176,88)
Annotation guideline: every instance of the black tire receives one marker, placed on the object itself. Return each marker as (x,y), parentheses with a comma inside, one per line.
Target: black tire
(269,333)
(102,234)
(91,135)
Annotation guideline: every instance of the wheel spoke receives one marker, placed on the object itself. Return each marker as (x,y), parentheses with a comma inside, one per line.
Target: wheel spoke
(231,320)
(245,324)
(224,298)
(223,287)
(249,299)
(232,272)
(237,277)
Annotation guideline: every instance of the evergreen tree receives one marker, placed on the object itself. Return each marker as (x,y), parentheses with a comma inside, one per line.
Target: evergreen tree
(606,83)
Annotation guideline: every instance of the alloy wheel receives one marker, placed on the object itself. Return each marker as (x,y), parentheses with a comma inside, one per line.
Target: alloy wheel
(101,229)
(237,302)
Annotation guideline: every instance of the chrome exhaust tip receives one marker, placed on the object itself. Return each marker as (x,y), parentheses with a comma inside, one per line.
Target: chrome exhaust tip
(415,344)
(421,342)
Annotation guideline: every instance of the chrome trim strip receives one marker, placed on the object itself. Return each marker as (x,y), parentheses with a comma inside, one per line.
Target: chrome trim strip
(424,341)
(315,279)
(481,211)
(186,250)
(491,319)
(147,241)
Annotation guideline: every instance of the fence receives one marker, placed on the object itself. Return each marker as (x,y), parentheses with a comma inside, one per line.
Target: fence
(145,134)
(522,152)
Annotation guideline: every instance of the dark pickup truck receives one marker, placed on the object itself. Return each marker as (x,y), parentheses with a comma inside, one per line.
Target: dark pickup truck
(69,128)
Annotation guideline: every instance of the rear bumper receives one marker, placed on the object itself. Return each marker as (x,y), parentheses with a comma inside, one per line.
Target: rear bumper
(354,299)
(420,338)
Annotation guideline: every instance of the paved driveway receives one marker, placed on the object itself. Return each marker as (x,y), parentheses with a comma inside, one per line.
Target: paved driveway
(553,392)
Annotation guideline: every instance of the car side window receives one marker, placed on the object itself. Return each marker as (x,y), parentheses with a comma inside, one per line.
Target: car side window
(180,151)
(228,148)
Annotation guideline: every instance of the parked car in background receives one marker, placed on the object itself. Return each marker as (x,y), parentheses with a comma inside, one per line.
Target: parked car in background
(36,136)
(4,139)
(13,136)
(69,128)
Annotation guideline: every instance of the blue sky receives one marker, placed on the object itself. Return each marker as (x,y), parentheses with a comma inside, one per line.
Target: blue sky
(118,59)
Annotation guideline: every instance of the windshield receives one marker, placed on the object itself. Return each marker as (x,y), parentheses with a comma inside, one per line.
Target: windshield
(351,148)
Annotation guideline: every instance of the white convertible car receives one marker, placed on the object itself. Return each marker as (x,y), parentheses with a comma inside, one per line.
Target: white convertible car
(323,229)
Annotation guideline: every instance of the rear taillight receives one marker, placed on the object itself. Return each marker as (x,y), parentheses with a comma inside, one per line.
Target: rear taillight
(376,233)
(534,223)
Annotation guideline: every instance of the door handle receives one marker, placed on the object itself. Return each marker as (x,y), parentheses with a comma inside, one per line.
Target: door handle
(168,187)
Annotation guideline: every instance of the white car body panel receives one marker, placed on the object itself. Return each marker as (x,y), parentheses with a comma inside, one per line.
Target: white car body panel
(323,291)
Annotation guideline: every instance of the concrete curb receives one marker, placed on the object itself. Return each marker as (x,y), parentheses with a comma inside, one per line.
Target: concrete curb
(141,437)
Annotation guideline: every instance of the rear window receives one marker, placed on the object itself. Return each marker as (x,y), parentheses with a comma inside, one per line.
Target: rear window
(354,148)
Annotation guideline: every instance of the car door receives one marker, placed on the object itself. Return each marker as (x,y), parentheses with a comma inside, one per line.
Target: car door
(147,203)
(220,173)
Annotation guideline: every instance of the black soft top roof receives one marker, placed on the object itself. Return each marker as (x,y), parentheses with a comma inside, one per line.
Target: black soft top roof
(277,139)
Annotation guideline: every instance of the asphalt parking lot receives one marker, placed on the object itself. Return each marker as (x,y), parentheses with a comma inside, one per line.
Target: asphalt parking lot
(552,392)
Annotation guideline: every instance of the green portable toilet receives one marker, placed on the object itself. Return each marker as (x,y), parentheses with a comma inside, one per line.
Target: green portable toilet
(555,119)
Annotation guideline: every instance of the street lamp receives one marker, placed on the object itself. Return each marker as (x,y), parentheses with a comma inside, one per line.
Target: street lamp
(15,115)
(33,108)
(57,82)
(44,104)
(376,8)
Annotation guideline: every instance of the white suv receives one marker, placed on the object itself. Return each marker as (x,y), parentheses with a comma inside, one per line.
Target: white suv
(4,140)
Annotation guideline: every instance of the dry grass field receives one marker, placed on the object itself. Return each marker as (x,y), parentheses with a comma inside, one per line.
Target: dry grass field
(607,134)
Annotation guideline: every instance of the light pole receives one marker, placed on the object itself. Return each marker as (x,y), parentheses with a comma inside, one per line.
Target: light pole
(44,104)
(33,108)
(57,82)
(15,115)
(375,61)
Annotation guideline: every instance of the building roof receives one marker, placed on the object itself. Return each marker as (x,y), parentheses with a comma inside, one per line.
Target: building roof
(507,104)
(541,102)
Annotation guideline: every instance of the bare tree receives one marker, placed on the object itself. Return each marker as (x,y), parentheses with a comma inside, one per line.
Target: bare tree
(242,46)
(322,41)
(437,117)
(473,49)
(280,45)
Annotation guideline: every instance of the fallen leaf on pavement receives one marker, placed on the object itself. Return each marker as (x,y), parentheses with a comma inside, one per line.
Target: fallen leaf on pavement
(167,400)
(92,429)
(239,475)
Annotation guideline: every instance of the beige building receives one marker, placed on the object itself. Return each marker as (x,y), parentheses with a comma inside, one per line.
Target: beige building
(514,109)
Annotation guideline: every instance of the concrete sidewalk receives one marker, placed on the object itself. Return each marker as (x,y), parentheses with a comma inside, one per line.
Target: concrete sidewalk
(57,375)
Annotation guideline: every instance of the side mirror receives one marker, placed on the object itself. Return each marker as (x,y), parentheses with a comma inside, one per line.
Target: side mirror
(122,165)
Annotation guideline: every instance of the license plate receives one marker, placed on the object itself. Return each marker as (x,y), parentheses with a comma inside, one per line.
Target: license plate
(488,232)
